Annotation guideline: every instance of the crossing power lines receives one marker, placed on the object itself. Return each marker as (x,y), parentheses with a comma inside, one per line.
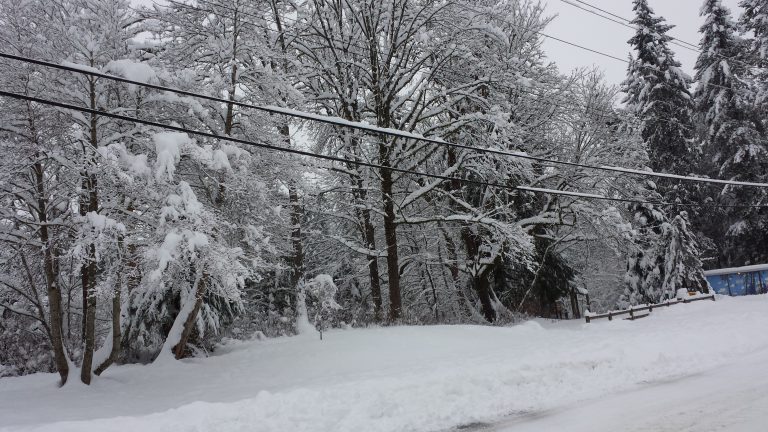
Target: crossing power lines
(394,133)
(271,147)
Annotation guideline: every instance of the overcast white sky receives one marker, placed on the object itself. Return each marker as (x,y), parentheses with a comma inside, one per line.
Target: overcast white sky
(594,32)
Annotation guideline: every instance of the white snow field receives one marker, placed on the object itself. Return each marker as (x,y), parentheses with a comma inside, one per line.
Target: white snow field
(697,367)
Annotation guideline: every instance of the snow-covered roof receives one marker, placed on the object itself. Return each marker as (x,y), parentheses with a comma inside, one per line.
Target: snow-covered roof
(746,269)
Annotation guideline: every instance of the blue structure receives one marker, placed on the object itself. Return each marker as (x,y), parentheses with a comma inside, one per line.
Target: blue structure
(739,281)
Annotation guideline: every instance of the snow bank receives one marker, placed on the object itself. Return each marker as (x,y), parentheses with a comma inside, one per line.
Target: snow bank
(395,379)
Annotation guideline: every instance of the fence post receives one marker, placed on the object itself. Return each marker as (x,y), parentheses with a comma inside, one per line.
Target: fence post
(587,317)
(610,316)
(631,313)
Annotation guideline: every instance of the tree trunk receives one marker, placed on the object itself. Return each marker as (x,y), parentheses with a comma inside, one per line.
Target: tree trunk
(297,213)
(373,263)
(51,277)
(88,271)
(482,285)
(229,120)
(179,350)
(575,304)
(369,239)
(116,336)
(390,236)
(89,316)
(298,267)
(480,280)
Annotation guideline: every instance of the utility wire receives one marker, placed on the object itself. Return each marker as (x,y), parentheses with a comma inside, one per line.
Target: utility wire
(311,154)
(603,53)
(673,41)
(271,147)
(336,121)
(629,21)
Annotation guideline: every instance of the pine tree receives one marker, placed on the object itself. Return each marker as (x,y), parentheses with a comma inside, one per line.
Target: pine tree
(645,270)
(657,90)
(683,266)
(755,20)
(665,257)
(732,133)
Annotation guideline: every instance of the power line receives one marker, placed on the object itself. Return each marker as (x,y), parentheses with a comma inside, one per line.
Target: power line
(695,46)
(396,133)
(673,41)
(625,61)
(310,154)
(271,147)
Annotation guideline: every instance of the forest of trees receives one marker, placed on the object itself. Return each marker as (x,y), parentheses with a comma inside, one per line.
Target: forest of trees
(136,241)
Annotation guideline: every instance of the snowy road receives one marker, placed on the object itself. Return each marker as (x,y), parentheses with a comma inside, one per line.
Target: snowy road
(733,398)
(697,367)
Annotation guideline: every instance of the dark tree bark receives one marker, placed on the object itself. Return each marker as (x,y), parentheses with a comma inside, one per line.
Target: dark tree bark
(116,325)
(575,304)
(51,276)
(369,238)
(390,237)
(180,349)
(116,335)
(88,271)
(480,279)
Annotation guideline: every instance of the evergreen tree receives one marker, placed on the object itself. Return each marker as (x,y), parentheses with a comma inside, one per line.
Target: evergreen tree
(733,136)
(666,255)
(683,266)
(657,90)
(645,270)
(755,20)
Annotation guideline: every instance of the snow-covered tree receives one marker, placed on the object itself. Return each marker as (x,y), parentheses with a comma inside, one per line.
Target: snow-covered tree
(683,268)
(754,20)
(151,245)
(657,90)
(646,267)
(664,257)
(733,135)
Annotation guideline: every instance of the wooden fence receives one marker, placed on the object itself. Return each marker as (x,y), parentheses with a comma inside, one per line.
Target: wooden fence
(637,312)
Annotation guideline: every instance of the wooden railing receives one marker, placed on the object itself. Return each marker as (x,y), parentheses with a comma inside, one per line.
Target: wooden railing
(637,312)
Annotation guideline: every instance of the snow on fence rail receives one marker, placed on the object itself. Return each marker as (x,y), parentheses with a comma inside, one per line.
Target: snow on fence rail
(633,310)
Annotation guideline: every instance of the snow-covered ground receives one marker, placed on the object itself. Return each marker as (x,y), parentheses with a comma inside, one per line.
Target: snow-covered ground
(689,367)
(731,399)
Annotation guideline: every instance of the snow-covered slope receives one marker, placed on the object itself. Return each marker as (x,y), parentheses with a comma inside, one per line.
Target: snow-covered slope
(396,379)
